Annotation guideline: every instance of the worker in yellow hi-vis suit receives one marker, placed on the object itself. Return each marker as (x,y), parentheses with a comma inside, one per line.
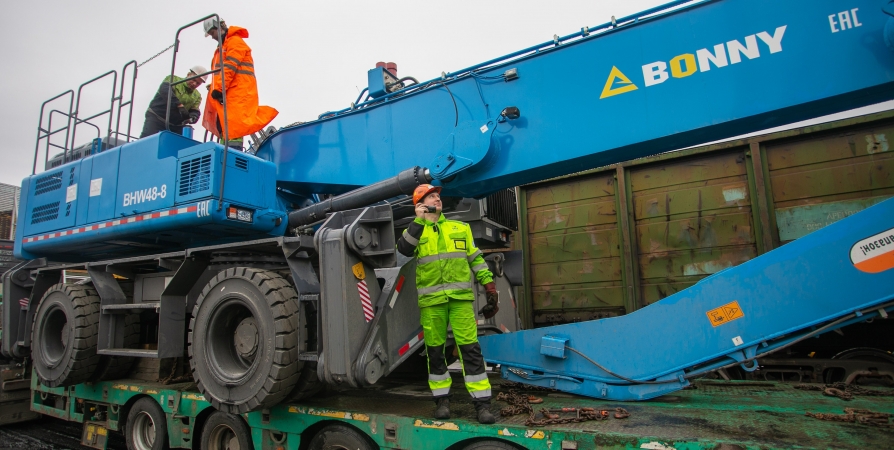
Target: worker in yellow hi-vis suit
(446,259)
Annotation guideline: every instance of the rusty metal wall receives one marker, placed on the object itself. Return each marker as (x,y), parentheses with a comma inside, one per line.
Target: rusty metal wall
(816,181)
(614,239)
(575,272)
(692,218)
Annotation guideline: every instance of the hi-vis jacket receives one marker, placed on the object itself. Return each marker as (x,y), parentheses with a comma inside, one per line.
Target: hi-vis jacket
(244,116)
(446,258)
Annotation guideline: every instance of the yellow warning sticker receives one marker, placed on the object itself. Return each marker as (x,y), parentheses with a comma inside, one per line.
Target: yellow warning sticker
(358,271)
(725,313)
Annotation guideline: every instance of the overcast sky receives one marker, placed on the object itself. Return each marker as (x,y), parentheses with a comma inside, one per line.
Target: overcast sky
(310,56)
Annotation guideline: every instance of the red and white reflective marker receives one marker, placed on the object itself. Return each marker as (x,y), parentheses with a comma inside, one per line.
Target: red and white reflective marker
(410,344)
(365,302)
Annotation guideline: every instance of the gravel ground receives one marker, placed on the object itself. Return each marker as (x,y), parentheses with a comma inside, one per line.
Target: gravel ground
(50,434)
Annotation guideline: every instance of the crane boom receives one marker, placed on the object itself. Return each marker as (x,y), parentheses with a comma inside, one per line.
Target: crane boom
(657,81)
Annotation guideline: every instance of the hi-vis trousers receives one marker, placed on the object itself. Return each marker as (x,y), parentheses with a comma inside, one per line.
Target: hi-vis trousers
(460,314)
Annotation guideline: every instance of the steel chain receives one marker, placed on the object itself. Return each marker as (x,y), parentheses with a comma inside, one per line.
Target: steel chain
(521,404)
(862,416)
(844,391)
(156,56)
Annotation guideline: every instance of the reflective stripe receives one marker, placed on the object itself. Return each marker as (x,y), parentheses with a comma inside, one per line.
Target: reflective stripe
(230,58)
(244,72)
(439,256)
(474,255)
(441,377)
(410,239)
(440,392)
(444,287)
(481,266)
(474,378)
(480,394)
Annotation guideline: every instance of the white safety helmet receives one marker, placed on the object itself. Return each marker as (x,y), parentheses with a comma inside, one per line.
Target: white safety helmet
(210,24)
(199,70)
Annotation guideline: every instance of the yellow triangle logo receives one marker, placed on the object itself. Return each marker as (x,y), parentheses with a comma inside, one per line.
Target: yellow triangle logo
(625,85)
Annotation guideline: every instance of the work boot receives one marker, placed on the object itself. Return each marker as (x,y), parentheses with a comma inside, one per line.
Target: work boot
(442,411)
(483,409)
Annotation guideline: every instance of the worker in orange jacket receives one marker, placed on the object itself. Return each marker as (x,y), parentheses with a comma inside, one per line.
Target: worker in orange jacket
(244,116)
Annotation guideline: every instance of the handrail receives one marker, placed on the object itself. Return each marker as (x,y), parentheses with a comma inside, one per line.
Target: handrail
(585,32)
(78,107)
(49,127)
(122,104)
(223,90)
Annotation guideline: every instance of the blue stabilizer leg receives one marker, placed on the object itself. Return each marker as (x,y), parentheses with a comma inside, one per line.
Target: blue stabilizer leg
(841,274)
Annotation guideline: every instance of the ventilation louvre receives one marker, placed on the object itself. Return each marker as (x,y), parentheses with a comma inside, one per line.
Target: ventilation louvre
(195,175)
(241,163)
(45,213)
(502,208)
(48,183)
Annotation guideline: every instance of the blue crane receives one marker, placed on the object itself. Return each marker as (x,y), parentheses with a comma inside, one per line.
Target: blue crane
(670,77)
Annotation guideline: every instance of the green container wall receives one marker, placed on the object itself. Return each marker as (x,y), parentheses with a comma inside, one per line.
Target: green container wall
(610,240)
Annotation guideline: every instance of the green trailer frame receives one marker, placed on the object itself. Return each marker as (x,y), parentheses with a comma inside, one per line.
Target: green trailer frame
(716,414)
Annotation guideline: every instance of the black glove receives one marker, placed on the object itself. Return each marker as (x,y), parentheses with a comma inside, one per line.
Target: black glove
(493,301)
(183,112)
(217,95)
(193,116)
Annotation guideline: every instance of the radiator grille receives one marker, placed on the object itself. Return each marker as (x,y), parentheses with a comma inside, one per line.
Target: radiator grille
(195,175)
(45,213)
(241,163)
(48,183)
(501,208)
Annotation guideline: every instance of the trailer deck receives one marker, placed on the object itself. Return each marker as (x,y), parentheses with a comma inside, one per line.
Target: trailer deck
(397,414)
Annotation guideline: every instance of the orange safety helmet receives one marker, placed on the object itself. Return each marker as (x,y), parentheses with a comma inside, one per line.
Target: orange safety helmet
(422,190)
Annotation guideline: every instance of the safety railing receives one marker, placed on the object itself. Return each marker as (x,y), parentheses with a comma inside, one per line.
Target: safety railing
(72,118)
(76,120)
(129,103)
(557,41)
(224,125)
(47,133)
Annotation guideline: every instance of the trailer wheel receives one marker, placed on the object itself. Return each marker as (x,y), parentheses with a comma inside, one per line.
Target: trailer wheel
(490,445)
(339,437)
(114,367)
(64,335)
(146,427)
(225,431)
(243,340)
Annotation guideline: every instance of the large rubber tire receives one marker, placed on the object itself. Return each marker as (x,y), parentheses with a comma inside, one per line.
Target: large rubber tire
(308,385)
(225,431)
(146,428)
(339,437)
(243,340)
(490,445)
(116,367)
(64,335)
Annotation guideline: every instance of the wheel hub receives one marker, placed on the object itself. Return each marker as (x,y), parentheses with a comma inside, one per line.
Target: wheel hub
(246,338)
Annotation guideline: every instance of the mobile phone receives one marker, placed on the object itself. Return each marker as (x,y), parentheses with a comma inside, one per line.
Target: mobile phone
(431,209)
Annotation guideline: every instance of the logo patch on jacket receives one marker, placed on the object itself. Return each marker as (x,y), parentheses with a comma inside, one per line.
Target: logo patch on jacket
(460,244)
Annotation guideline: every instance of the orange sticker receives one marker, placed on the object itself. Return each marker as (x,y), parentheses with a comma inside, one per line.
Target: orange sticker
(725,313)
(874,254)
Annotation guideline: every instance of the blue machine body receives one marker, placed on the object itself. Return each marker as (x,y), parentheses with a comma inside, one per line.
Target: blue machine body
(654,83)
(156,194)
(728,318)
(660,80)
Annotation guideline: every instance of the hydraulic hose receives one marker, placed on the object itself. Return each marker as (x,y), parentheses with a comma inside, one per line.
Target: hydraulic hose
(402,184)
